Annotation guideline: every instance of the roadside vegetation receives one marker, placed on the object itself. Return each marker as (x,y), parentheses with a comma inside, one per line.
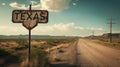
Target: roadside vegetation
(105,41)
(14,52)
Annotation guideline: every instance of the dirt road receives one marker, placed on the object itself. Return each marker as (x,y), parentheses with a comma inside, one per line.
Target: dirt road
(86,53)
(96,55)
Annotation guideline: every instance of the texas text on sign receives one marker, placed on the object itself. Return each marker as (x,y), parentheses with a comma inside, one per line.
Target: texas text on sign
(30,18)
(39,16)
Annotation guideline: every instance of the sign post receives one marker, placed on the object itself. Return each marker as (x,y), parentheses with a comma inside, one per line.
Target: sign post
(30,19)
(29,52)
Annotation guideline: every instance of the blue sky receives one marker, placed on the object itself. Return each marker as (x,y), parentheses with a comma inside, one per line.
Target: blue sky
(66,17)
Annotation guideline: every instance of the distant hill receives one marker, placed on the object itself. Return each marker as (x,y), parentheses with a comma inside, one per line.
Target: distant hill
(113,35)
(106,35)
(33,36)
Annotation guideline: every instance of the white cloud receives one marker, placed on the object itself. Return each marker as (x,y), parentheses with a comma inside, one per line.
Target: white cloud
(50,5)
(3,4)
(116,31)
(33,2)
(95,29)
(63,27)
(12,30)
(53,29)
(74,4)
(87,28)
(79,28)
(55,5)
(36,7)
(56,27)
(17,5)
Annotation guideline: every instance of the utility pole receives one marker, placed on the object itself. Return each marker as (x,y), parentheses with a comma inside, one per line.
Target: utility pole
(111,22)
(93,34)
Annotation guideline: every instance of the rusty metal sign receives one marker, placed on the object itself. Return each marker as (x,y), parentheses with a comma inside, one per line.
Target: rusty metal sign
(30,18)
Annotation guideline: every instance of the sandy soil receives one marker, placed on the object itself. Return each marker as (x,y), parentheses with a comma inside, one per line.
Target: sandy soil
(96,55)
(85,53)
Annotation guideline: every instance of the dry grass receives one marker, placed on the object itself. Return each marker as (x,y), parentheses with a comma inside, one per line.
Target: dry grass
(105,41)
(16,50)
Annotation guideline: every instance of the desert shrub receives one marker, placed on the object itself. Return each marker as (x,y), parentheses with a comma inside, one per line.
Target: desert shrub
(10,50)
(22,42)
(8,57)
(20,48)
(38,58)
(61,51)
(38,53)
(119,41)
(58,59)
(4,53)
